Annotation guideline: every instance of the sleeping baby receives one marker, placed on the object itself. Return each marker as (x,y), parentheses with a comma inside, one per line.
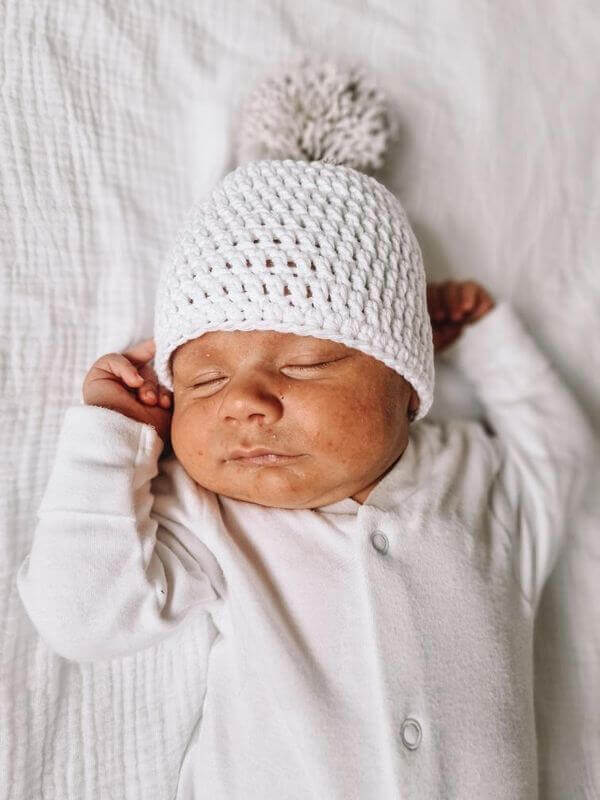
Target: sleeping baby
(371,577)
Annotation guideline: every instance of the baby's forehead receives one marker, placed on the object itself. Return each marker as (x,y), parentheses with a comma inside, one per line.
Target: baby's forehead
(274,341)
(268,344)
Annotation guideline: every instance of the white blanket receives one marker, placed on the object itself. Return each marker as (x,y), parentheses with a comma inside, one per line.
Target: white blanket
(114,118)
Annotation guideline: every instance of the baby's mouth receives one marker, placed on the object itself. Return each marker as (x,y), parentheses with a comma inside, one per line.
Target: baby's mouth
(266,459)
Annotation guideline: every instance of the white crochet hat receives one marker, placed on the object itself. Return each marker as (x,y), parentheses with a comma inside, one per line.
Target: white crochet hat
(313,248)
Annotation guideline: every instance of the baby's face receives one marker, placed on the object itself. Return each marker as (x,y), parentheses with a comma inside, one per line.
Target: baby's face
(345,423)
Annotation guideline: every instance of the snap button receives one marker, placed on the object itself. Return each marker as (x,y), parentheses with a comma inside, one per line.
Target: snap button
(411,733)
(379,541)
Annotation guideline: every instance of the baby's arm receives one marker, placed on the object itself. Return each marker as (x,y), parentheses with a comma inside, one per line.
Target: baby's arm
(546,446)
(112,568)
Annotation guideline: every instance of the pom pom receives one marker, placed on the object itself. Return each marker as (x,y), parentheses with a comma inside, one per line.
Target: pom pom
(316,111)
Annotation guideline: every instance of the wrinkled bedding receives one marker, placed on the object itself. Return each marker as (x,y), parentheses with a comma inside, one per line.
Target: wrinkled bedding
(114,117)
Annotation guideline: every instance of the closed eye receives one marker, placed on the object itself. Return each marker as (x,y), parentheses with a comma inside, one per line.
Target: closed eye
(300,367)
(312,366)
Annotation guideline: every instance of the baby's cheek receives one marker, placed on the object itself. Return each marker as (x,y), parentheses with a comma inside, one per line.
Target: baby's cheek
(188,435)
(372,420)
(361,410)
(350,424)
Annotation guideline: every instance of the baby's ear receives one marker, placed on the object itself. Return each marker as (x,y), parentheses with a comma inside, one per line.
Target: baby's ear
(414,400)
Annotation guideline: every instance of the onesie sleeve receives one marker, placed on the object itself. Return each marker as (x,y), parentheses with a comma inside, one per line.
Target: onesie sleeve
(545,445)
(112,569)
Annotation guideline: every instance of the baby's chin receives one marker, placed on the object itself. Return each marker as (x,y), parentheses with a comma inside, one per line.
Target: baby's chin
(272,488)
(271,498)
(272,502)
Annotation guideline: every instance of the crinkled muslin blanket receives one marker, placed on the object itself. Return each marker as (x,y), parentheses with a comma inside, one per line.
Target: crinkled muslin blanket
(114,118)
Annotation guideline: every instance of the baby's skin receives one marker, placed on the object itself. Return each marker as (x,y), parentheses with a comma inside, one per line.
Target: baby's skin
(337,417)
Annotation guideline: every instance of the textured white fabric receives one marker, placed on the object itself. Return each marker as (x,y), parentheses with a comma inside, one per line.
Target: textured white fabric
(332,238)
(333,629)
(114,117)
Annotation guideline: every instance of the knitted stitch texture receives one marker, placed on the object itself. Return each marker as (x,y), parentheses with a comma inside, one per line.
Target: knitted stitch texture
(300,247)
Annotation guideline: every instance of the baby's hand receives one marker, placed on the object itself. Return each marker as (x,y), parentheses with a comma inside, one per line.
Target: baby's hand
(124,381)
(452,305)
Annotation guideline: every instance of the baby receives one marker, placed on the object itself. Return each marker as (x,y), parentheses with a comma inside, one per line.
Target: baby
(337,418)
(367,579)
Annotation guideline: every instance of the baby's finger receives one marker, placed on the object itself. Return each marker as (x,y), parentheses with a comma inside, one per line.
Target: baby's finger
(469,296)
(121,367)
(483,303)
(434,302)
(164,399)
(149,390)
(452,300)
(147,393)
(141,353)
(152,393)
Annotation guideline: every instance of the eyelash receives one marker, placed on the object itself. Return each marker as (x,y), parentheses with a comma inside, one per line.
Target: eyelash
(296,366)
